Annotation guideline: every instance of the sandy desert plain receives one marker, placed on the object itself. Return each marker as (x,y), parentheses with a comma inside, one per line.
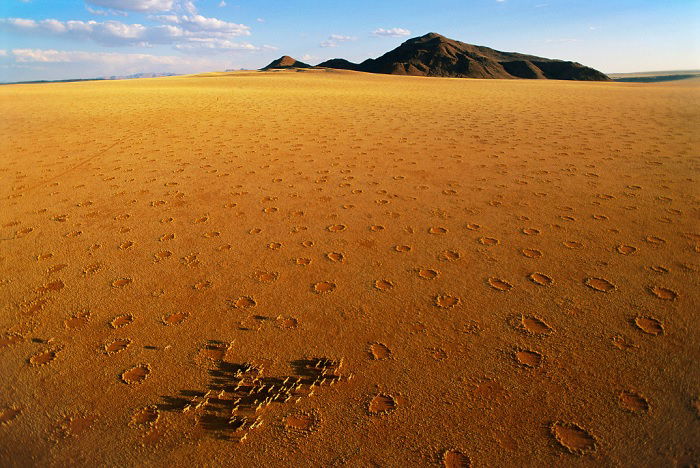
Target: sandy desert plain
(328,268)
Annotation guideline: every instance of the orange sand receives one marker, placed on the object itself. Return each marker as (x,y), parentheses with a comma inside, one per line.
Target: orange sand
(318,268)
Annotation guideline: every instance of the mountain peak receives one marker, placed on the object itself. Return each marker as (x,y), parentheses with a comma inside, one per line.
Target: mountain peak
(432,35)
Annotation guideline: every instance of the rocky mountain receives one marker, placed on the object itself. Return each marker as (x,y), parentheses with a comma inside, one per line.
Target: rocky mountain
(436,55)
(286,62)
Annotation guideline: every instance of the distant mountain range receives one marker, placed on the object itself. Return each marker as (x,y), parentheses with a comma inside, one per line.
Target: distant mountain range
(437,55)
(101,78)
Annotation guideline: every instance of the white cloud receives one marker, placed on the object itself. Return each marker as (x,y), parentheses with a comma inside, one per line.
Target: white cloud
(188,6)
(3,53)
(199,23)
(59,64)
(109,12)
(341,38)
(334,39)
(222,4)
(393,32)
(135,5)
(260,20)
(58,56)
(175,30)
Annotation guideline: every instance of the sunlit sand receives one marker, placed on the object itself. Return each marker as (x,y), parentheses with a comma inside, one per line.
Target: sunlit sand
(260,269)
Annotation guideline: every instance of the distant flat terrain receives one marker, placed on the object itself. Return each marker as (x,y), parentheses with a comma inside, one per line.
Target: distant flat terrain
(337,268)
(655,77)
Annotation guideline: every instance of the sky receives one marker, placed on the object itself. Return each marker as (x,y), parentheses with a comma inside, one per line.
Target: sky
(63,39)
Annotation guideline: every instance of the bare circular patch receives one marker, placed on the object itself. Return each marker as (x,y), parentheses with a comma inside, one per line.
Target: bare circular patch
(488,241)
(626,249)
(145,417)
(136,374)
(541,279)
(428,274)
(9,339)
(528,358)
(324,287)
(534,325)
(531,253)
(266,276)
(599,284)
(664,293)
(633,402)
(573,438)
(175,318)
(121,320)
(382,404)
(8,414)
(449,256)
(243,302)
(447,301)
(119,344)
(649,325)
(455,459)
(379,351)
(43,357)
(301,422)
(336,257)
(121,282)
(499,284)
(383,285)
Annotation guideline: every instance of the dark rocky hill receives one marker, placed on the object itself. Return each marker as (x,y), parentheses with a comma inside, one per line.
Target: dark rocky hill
(286,62)
(436,55)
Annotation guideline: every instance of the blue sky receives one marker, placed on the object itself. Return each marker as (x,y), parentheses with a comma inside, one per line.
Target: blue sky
(58,39)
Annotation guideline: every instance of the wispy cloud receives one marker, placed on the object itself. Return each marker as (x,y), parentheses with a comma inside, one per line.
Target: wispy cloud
(109,12)
(334,40)
(135,5)
(393,32)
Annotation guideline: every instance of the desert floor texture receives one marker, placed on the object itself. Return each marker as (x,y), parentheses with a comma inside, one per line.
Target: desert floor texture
(323,268)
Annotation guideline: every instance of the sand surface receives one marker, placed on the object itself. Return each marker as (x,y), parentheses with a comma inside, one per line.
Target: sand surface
(327,268)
